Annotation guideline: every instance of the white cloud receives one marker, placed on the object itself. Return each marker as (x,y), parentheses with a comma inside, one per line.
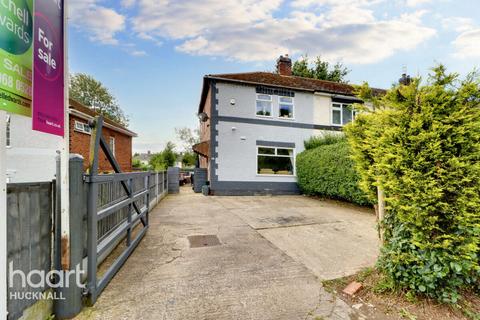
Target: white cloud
(249,30)
(138,53)
(128,3)
(101,23)
(467,44)
(459,24)
(346,3)
(416,3)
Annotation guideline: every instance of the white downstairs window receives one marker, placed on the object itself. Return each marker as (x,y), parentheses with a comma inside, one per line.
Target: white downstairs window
(275,161)
(264,105)
(342,113)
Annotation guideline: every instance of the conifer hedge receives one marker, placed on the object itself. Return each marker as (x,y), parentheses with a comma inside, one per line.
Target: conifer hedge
(422,146)
(327,170)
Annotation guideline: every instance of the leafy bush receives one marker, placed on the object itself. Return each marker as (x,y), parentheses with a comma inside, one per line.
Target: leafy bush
(328,171)
(326,139)
(423,150)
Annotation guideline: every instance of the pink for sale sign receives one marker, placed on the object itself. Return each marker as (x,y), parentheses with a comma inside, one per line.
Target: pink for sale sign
(48,75)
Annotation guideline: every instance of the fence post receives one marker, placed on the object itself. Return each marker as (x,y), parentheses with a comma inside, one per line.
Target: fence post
(72,253)
(129,216)
(147,197)
(3,217)
(156,187)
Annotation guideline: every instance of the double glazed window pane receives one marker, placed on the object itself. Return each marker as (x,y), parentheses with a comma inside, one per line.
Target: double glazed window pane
(336,116)
(347,114)
(268,151)
(264,108)
(285,152)
(286,111)
(275,165)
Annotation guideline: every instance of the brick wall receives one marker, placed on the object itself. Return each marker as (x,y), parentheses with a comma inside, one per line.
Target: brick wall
(205,128)
(80,143)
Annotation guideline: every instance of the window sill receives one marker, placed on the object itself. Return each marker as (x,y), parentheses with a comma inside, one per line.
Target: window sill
(286,119)
(79,131)
(264,117)
(276,175)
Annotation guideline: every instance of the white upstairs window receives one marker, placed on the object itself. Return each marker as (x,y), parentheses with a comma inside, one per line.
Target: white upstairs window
(264,105)
(285,105)
(342,113)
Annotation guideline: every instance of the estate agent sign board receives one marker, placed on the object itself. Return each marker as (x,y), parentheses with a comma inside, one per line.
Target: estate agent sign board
(32,31)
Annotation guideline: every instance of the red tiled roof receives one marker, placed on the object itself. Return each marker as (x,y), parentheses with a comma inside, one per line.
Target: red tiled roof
(275,79)
(290,82)
(73,104)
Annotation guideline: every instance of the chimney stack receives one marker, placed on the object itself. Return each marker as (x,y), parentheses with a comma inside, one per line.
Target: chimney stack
(405,79)
(284,65)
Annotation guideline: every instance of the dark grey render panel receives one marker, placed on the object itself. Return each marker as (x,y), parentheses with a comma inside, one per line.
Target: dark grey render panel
(275,144)
(246,188)
(278,123)
(275,91)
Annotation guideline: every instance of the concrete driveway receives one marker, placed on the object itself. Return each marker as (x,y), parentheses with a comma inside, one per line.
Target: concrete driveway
(268,262)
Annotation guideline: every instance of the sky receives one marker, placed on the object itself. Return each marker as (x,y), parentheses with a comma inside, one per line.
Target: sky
(152,54)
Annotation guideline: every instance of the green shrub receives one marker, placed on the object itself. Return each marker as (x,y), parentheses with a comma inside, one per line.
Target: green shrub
(328,171)
(323,140)
(423,150)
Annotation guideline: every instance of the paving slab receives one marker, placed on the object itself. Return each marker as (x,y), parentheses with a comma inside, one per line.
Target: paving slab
(251,274)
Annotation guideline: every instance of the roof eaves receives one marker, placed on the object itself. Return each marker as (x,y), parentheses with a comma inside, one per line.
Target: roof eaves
(203,94)
(258,83)
(106,124)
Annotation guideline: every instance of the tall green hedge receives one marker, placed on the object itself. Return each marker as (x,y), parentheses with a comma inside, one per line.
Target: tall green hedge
(423,149)
(328,171)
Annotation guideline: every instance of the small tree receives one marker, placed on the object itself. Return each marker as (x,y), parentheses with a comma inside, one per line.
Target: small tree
(189,159)
(423,150)
(164,159)
(320,70)
(188,137)
(95,95)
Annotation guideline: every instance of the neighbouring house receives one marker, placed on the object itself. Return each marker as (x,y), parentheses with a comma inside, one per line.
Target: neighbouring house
(144,158)
(118,137)
(31,154)
(252,125)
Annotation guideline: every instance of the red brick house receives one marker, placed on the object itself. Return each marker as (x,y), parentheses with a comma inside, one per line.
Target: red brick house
(118,137)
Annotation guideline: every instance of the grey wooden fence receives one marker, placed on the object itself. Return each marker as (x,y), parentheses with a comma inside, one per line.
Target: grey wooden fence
(30,209)
(112,192)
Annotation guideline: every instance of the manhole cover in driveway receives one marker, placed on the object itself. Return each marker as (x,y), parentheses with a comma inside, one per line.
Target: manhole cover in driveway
(208,240)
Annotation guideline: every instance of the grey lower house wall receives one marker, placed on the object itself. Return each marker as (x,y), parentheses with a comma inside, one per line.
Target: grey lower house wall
(236,131)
